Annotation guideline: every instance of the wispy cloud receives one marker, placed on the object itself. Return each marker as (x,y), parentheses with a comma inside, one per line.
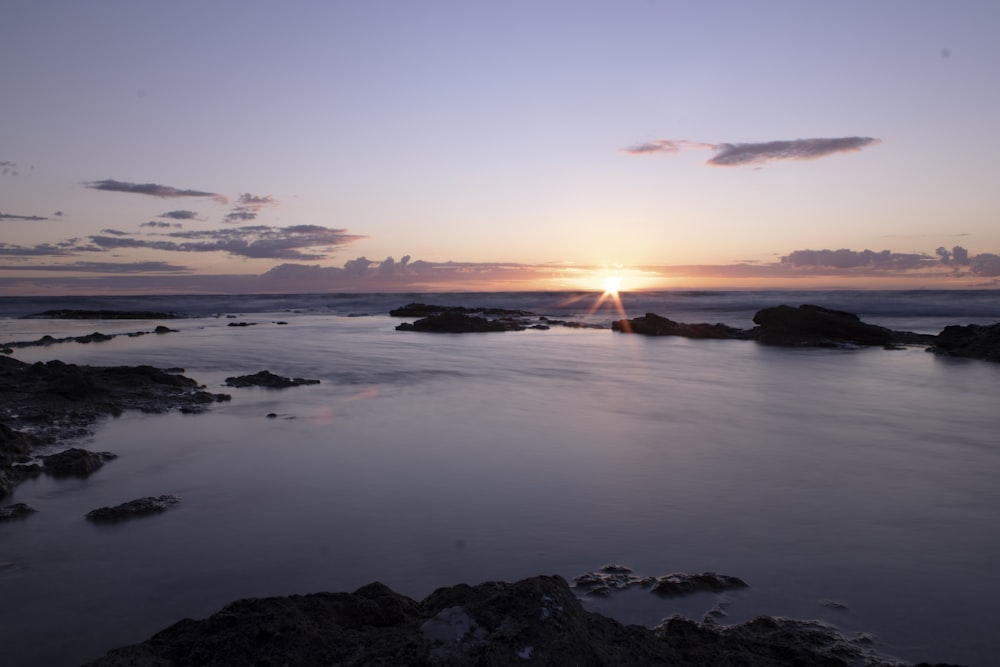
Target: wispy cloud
(248,206)
(8,168)
(179,215)
(843,258)
(103,267)
(740,154)
(256,241)
(155,224)
(30,218)
(151,189)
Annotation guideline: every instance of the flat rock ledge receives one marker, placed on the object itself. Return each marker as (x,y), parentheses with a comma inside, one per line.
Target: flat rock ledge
(16,511)
(266,379)
(974,341)
(619,577)
(537,621)
(784,326)
(133,509)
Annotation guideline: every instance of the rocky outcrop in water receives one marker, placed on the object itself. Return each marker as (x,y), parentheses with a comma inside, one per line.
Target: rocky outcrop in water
(425,310)
(132,509)
(74,462)
(48,403)
(16,511)
(973,341)
(652,324)
(70,314)
(266,379)
(452,322)
(815,326)
(537,621)
(618,577)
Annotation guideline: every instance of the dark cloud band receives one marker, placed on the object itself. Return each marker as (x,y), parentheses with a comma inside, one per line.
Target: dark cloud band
(151,189)
(740,154)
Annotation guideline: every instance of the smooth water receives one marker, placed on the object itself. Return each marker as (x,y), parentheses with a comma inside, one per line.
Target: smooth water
(866,476)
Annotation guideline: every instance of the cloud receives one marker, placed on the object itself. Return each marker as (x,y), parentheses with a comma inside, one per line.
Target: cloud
(40,250)
(854,259)
(985,264)
(179,215)
(114,232)
(30,218)
(162,225)
(103,267)
(731,155)
(739,154)
(8,168)
(256,241)
(152,189)
(248,207)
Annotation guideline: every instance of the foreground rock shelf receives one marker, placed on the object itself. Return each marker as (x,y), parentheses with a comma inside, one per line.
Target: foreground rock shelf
(536,621)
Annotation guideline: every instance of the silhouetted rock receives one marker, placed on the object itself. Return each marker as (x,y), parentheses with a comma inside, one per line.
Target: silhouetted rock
(814,326)
(266,379)
(535,621)
(425,310)
(679,583)
(652,324)
(242,324)
(69,314)
(974,341)
(132,509)
(16,511)
(454,322)
(75,462)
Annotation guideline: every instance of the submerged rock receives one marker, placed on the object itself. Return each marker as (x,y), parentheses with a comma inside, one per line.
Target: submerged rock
(535,621)
(75,462)
(973,341)
(133,508)
(652,324)
(16,511)
(266,379)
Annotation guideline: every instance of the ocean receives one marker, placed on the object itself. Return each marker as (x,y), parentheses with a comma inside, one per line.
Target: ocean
(855,486)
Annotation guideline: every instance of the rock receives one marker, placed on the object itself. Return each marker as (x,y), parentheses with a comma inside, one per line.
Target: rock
(69,314)
(652,324)
(974,341)
(453,322)
(133,508)
(679,583)
(242,324)
(266,379)
(75,462)
(814,326)
(16,511)
(425,310)
(608,579)
(536,621)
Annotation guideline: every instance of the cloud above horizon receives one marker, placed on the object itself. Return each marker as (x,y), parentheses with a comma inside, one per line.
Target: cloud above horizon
(152,189)
(740,154)
(248,206)
(179,215)
(254,241)
(29,218)
(103,267)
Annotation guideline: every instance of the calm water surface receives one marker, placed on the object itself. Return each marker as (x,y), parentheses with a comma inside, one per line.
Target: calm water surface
(861,476)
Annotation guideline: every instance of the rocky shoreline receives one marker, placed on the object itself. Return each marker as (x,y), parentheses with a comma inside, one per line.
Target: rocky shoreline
(536,621)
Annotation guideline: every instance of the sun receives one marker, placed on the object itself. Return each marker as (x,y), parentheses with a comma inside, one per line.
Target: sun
(612,284)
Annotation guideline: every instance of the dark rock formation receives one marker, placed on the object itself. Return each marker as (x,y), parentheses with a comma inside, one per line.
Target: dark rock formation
(242,324)
(652,324)
(425,310)
(609,578)
(69,314)
(536,621)
(266,379)
(974,341)
(455,322)
(132,509)
(16,511)
(96,337)
(47,403)
(814,326)
(679,583)
(75,462)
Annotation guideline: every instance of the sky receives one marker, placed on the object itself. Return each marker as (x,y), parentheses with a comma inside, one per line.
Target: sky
(370,145)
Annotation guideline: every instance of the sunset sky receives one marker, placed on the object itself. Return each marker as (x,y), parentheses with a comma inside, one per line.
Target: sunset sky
(311,146)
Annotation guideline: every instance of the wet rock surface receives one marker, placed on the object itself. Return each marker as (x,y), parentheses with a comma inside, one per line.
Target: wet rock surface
(426,310)
(815,326)
(609,578)
(453,322)
(266,379)
(973,341)
(16,511)
(95,337)
(71,314)
(652,324)
(132,509)
(535,621)
(43,404)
